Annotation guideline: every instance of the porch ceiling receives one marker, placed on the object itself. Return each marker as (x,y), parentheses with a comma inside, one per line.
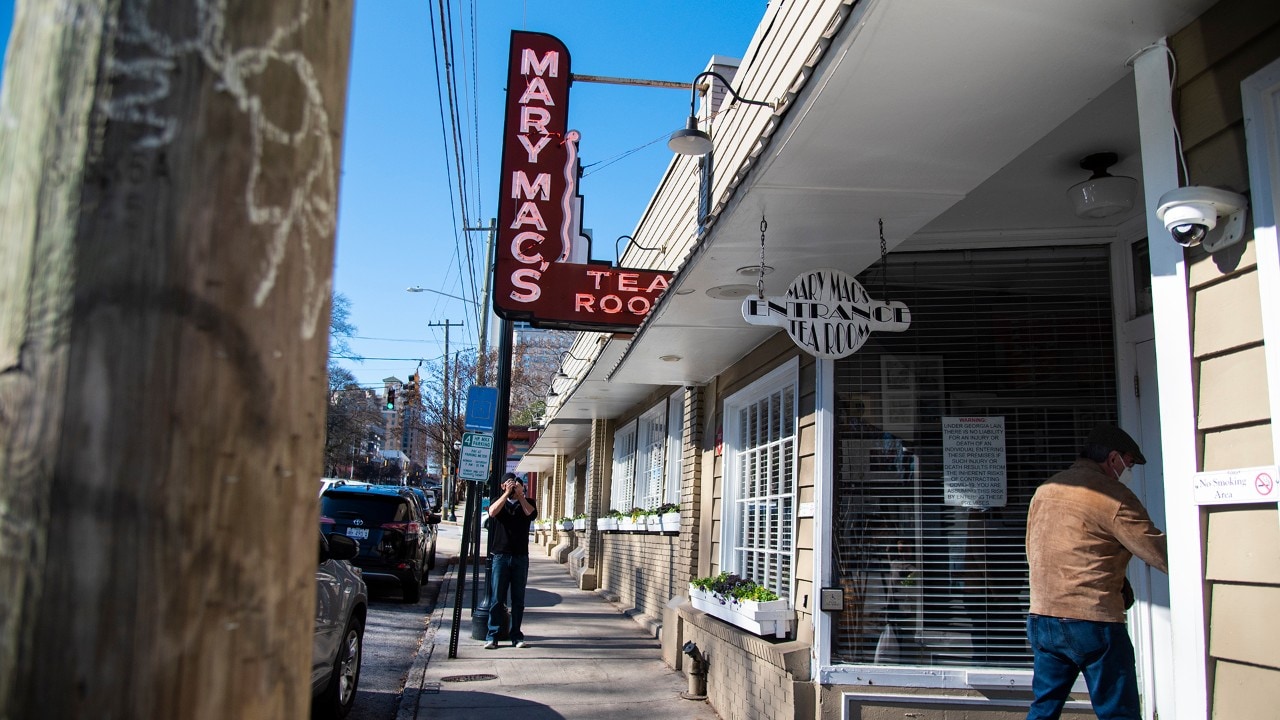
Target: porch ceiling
(953,122)
(956,123)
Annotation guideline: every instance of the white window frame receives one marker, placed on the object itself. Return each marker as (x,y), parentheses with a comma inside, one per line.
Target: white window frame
(675,447)
(570,487)
(622,493)
(651,452)
(779,379)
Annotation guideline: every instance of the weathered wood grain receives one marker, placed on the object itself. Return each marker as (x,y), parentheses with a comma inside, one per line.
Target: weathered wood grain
(168,196)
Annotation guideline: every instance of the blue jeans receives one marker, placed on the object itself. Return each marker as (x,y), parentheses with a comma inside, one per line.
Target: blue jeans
(1066,648)
(510,574)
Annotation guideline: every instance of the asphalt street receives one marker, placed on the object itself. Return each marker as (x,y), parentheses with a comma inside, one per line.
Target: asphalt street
(393,634)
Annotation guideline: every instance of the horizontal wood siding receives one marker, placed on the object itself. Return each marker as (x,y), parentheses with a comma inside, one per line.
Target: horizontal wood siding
(1231,41)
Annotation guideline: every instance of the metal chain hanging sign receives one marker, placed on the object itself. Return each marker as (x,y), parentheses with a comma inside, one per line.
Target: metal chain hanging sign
(828,312)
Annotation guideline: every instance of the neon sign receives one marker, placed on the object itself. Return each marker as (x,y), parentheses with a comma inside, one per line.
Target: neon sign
(543,272)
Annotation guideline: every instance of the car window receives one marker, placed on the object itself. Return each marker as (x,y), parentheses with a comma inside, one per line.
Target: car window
(370,507)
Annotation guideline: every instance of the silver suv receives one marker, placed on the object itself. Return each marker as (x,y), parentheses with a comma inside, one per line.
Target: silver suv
(342,602)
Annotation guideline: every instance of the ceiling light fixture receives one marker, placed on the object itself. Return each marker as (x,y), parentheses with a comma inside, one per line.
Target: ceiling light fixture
(1103,194)
(691,140)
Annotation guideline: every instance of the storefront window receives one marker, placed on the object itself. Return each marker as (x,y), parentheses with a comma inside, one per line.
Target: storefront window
(943,434)
(624,468)
(760,434)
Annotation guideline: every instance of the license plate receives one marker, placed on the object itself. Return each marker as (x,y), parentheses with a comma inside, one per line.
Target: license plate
(358,533)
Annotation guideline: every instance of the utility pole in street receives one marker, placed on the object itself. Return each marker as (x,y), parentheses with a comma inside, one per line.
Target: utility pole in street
(482,370)
(170,190)
(447,420)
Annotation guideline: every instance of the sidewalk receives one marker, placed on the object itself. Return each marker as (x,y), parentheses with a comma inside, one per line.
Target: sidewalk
(586,660)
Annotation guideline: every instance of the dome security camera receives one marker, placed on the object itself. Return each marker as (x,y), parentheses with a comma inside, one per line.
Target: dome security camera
(1203,216)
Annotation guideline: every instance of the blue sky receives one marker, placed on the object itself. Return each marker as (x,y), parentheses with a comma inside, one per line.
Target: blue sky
(397,226)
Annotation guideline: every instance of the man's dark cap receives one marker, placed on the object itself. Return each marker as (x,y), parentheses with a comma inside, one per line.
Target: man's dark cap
(1113,438)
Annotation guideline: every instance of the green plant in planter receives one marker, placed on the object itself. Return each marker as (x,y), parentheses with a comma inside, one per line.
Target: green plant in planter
(668,508)
(726,586)
(615,514)
(580,516)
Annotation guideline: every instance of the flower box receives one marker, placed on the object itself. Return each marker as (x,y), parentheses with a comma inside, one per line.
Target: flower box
(566,525)
(606,523)
(628,524)
(652,523)
(670,521)
(579,523)
(774,617)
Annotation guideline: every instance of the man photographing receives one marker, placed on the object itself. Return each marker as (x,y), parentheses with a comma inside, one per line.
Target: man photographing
(1083,526)
(509,519)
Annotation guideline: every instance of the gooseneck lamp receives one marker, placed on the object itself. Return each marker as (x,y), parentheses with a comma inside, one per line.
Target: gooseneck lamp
(692,141)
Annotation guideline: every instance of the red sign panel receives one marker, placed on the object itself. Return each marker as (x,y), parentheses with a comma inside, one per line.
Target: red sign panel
(543,272)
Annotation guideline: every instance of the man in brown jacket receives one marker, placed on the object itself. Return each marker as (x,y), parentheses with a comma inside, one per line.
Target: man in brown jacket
(1083,527)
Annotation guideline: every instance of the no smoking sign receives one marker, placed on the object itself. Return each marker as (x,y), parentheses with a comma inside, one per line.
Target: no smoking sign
(1241,485)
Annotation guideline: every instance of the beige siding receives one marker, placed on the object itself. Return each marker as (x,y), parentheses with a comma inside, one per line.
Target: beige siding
(1233,389)
(1244,545)
(1241,447)
(1243,691)
(1228,315)
(1215,53)
(1243,626)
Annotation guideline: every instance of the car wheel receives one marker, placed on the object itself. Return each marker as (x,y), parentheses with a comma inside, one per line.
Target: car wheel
(412,589)
(338,697)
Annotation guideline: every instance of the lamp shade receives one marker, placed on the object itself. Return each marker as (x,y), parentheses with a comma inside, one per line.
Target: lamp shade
(1103,194)
(690,140)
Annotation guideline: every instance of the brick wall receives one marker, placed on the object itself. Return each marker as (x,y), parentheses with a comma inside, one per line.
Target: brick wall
(640,569)
(748,677)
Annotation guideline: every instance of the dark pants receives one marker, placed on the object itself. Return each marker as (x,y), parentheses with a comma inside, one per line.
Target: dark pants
(1066,648)
(510,575)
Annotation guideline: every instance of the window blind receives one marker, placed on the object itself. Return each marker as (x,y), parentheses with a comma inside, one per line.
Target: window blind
(763,443)
(624,469)
(1018,342)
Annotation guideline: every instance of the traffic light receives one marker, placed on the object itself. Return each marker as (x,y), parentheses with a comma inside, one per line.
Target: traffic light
(391,399)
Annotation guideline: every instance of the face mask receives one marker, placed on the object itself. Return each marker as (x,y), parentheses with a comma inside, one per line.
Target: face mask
(1125,476)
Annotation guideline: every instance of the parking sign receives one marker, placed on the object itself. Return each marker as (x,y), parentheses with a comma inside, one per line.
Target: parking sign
(473,460)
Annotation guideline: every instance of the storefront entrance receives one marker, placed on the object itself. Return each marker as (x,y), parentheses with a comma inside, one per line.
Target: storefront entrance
(943,434)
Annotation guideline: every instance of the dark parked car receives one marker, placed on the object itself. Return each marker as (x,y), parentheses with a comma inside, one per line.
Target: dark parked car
(341,605)
(426,503)
(395,537)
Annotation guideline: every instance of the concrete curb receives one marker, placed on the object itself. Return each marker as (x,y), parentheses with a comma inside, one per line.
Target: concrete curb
(414,681)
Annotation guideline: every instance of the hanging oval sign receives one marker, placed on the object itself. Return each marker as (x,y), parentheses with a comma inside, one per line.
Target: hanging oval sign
(828,313)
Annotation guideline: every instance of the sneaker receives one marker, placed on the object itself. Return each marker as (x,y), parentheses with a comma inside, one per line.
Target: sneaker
(520,644)
(491,645)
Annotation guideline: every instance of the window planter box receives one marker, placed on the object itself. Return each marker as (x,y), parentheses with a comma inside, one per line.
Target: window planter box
(774,618)
(652,523)
(607,524)
(670,521)
(579,523)
(566,525)
(627,524)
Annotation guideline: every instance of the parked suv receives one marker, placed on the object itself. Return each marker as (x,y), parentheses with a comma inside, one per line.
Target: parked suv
(426,504)
(394,536)
(342,603)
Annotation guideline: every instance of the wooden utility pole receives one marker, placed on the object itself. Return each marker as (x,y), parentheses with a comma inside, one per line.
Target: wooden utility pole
(168,192)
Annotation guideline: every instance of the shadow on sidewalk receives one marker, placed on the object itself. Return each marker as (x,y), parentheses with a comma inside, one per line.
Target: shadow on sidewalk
(490,704)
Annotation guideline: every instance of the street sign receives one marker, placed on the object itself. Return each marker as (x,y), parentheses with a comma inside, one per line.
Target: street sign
(473,459)
(482,408)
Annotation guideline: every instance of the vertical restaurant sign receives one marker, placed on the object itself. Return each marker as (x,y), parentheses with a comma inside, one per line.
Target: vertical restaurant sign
(543,273)
(827,313)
